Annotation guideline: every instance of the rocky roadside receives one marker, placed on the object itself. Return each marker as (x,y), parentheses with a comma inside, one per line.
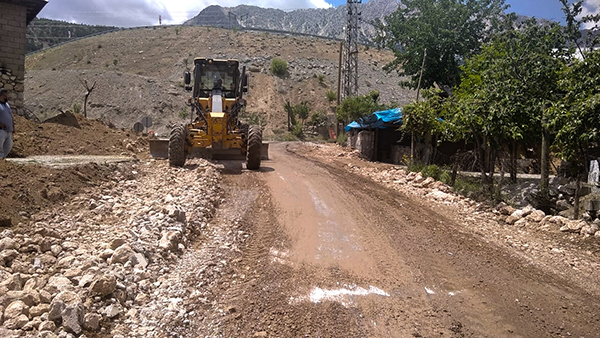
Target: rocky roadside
(569,248)
(93,267)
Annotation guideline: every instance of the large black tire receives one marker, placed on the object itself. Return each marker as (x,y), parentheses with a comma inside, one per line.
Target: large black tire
(177,153)
(254,148)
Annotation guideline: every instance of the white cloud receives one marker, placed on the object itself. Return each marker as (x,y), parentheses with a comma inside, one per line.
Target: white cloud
(127,13)
(590,7)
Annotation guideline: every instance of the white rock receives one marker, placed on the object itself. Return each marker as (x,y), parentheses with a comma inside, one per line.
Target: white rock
(92,321)
(122,254)
(7,244)
(536,216)
(15,309)
(112,311)
(47,326)
(57,284)
(103,285)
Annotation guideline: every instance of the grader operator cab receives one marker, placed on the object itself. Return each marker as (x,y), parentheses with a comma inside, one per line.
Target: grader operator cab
(217,99)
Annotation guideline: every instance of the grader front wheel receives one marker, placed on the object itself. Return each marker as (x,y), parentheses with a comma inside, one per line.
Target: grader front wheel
(254,147)
(177,153)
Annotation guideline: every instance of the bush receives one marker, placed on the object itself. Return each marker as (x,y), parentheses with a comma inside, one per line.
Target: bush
(279,67)
(342,139)
(183,114)
(76,108)
(297,130)
(331,95)
(321,78)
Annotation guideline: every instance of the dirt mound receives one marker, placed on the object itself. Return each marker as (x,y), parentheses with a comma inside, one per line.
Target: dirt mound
(68,134)
(66,119)
(29,188)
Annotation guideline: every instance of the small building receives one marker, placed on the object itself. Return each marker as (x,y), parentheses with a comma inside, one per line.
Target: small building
(15,15)
(377,137)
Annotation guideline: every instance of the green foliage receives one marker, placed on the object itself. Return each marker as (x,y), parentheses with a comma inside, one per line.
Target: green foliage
(423,117)
(301,110)
(76,108)
(297,131)
(356,107)
(505,87)
(256,119)
(177,29)
(184,113)
(318,119)
(576,118)
(321,79)
(451,31)
(43,33)
(115,62)
(342,139)
(279,67)
(331,96)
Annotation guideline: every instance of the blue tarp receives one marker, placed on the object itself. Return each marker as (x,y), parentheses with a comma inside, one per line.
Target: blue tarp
(377,120)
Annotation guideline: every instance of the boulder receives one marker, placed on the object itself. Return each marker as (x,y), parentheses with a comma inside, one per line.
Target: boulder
(112,311)
(47,326)
(72,318)
(536,216)
(57,284)
(103,285)
(61,302)
(39,310)
(91,321)
(139,260)
(16,323)
(121,255)
(170,240)
(30,298)
(15,309)
(12,282)
(116,243)
(7,243)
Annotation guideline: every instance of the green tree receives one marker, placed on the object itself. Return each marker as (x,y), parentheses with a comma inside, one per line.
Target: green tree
(450,30)
(576,118)
(302,111)
(505,88)
(355,107)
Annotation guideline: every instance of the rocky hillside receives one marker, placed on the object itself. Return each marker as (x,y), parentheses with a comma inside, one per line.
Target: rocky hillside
(43,33)
(323,22)
(139,73)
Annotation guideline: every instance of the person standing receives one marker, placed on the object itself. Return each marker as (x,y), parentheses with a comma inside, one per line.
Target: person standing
(7,125)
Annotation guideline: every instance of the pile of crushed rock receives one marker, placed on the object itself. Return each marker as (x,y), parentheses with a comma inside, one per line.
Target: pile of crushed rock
(90,264)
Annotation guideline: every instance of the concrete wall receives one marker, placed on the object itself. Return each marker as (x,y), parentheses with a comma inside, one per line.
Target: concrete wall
(13,30)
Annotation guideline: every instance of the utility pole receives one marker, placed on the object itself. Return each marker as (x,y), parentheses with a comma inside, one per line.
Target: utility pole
(350,51)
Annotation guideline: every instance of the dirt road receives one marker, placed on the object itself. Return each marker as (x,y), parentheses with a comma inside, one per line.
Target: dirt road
(333,255)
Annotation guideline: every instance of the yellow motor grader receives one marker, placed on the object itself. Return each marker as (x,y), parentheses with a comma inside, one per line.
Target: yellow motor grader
(217,99)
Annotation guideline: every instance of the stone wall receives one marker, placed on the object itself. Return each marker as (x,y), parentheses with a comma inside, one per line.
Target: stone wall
(13,26)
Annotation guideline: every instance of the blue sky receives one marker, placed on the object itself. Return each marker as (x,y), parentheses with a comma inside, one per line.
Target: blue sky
(547,9)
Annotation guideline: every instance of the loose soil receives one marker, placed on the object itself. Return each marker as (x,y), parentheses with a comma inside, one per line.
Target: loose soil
(30,188)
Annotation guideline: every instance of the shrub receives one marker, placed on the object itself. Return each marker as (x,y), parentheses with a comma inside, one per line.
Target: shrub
(331,95)
(321,78)
(279,67)
(76,108)
(184,114)
(342,139)
(297,130)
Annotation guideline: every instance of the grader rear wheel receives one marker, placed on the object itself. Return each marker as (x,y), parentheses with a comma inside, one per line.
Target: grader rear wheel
(254,147)
(177,153)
